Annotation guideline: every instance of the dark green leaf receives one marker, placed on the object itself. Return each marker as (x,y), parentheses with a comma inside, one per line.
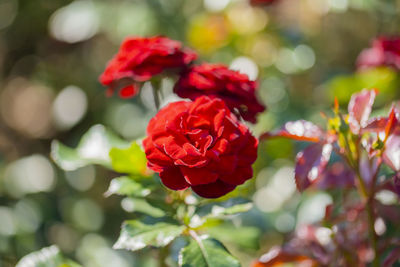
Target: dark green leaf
(206,252)
(93,148)
(127,186)
(46,257)
(136,235)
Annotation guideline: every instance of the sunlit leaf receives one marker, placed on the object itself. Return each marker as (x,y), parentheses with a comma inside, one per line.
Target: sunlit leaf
(136,235)
(130,160)
(93,148)
(277,257)
(219,211)
(310,163)
(206,252)
(141,205)
(375,125)
(360,107)
(391,155)
(46,257)
(126,186)
(298,130)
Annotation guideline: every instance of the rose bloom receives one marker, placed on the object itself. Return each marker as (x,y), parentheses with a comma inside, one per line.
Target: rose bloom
(262,2)
(216,80)
(201,145)
(139,59)
(385,51)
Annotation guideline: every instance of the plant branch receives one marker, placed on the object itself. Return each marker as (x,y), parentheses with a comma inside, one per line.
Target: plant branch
(156,96)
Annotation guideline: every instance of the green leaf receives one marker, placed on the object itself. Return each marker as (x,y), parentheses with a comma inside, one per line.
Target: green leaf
(218,211)
(141,205)
(46,257)
(136,235)
(244,237)
(126,186)
(206,252)
(93,148)
(130,160)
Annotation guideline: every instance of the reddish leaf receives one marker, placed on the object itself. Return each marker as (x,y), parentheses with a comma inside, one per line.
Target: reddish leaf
(360,107)
(337,176)
(391,155)
(388,212)
(388,125)
(392,258)
(392,124)
(310,163)
(375,125)
(277,256)
(298,130)
(396,183)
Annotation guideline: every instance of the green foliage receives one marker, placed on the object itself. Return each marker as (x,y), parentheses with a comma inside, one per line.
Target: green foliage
(344,86)
(93,148)
(218,211)
(136,235)
(130,160)
(46,257)
(243,237)
(127,186)
(142,206)
(203,251)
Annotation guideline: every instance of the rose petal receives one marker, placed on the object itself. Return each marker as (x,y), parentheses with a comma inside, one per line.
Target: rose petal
(197,176)
(213,190)
(173,179)
(239,176)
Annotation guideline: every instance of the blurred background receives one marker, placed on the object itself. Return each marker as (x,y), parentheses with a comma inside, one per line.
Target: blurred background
(301,52)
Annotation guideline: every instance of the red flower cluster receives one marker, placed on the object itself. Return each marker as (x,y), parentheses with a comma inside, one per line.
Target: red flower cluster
(201,145)
(216,80)
(139,59)
(384,52)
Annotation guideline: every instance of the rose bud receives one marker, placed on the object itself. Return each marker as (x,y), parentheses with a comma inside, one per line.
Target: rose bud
(140,59)
(217,80)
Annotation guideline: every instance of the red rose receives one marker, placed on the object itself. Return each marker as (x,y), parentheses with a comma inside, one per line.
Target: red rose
(384,52)
(218,81)
(261,2)
(201,145)
(139,59)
